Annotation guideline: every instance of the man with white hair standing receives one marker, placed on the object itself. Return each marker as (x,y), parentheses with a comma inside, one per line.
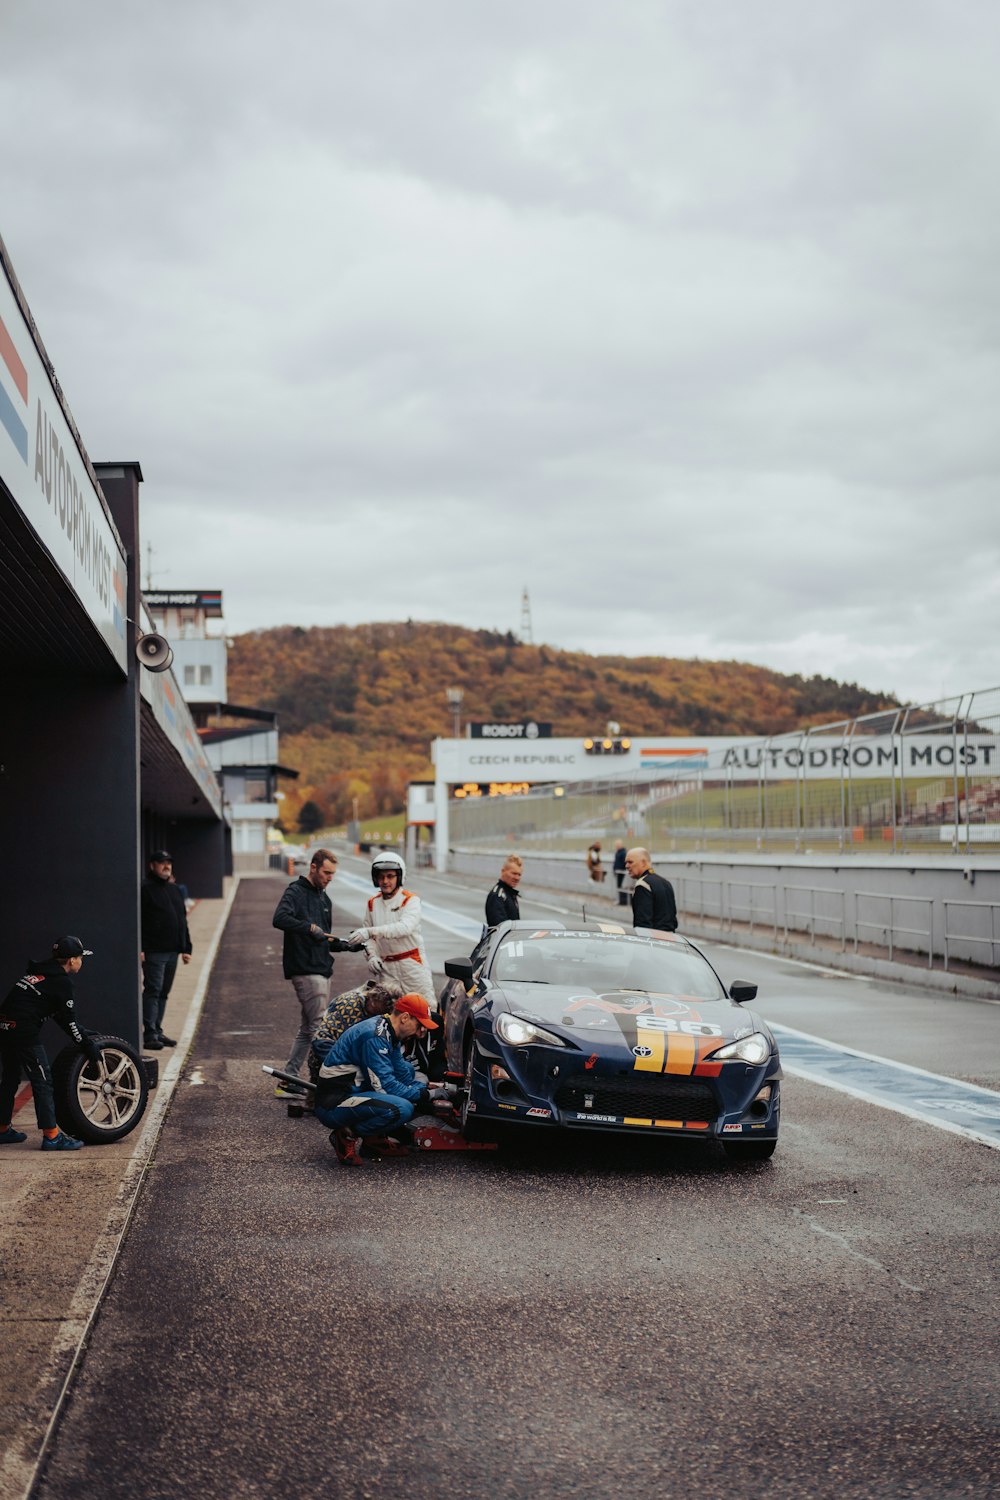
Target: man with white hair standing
(653,903)
(501,903)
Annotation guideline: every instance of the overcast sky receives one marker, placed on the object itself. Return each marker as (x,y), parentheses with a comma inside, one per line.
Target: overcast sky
(683,315)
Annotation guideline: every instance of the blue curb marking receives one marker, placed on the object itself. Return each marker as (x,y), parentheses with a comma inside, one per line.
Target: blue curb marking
(948,1103)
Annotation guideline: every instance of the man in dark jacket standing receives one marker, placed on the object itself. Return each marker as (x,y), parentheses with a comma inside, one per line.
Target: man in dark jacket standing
(165,938)
(618,866)
(653,903)
(46,990)
(305,915)
(501,903)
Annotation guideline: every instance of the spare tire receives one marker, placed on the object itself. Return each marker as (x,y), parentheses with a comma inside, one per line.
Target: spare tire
(102,1102)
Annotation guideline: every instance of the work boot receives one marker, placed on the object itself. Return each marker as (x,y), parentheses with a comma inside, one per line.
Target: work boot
(151,1042)
(383,1145)
(347,1147)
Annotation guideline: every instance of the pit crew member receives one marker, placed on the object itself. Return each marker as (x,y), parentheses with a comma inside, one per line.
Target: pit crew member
(375,998)
(46,990)
(366,1086)
(391,931)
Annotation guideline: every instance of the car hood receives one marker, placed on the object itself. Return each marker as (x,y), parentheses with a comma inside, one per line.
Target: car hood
(586,1016)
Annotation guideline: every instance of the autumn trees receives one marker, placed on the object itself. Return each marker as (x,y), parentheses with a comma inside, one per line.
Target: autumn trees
(359,705)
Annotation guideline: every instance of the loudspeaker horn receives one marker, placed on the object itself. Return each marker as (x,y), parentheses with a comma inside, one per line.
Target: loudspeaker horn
(154,653)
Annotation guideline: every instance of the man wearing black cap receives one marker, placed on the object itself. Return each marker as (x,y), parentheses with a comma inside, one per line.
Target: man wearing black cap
(165,938)
(46,990)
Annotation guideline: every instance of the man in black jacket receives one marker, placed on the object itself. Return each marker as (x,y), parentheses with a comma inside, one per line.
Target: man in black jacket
(165,938)
(45,990)
(653,902)
(305,915)
(618,865)
(501,903)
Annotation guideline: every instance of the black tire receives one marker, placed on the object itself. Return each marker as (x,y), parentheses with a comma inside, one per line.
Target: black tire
(100,1104)
(471,1128)
(750,1150)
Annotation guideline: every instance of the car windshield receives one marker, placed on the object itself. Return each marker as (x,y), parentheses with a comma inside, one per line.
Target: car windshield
(605,962)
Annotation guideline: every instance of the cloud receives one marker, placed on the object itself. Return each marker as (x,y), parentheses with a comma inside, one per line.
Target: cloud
(682,316)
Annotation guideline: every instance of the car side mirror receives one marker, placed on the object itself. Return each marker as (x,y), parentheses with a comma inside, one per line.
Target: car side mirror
(461,969)
(741,990)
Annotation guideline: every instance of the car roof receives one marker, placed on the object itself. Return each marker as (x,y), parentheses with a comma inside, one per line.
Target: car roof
(522,926)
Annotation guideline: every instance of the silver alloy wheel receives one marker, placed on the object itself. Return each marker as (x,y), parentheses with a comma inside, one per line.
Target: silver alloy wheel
(100,1102)
(110,1092)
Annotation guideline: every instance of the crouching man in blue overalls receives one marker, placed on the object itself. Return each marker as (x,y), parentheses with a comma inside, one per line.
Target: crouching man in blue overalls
(366,1087)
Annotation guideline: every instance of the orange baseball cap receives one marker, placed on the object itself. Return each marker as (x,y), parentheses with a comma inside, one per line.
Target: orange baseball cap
(416,1005)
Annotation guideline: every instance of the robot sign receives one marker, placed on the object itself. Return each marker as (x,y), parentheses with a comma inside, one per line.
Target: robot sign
(528,729)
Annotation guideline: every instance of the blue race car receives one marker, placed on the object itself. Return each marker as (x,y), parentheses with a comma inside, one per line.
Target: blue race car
(608,1029)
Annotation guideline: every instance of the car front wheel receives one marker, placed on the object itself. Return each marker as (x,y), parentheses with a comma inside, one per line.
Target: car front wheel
(100,1102)
(471,1128)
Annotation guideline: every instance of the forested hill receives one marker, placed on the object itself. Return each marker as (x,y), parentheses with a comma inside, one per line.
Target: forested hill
(359,705)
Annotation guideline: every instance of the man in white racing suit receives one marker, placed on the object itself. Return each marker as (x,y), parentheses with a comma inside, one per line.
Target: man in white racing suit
(391,933)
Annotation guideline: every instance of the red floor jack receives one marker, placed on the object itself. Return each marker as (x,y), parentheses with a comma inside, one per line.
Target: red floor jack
(440,1131)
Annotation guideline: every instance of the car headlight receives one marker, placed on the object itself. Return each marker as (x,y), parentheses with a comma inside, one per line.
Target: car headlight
(755,1049)
(518,1033)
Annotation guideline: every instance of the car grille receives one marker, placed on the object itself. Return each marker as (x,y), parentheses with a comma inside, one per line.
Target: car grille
(655,1096)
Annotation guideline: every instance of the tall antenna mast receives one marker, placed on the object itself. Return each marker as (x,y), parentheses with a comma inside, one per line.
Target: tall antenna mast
(526,617)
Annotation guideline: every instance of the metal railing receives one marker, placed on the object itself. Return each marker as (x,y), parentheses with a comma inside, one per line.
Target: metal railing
(681,884)
(893,929)
(923,777)
(810,918)
(754,905)
(992,940)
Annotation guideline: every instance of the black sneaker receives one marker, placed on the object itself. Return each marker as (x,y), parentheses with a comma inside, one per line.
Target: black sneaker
(151,1043)
(165,1041)
(61,1142)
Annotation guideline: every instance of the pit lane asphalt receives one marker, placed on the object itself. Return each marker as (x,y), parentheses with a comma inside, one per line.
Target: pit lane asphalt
(596,1321)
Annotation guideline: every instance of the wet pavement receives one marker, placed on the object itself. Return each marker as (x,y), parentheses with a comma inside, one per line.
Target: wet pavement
(585,1320)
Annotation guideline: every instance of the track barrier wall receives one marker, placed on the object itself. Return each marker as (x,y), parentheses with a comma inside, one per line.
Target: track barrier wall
(882,830)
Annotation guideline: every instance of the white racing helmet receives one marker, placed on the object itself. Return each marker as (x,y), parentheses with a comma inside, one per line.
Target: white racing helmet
(385,861)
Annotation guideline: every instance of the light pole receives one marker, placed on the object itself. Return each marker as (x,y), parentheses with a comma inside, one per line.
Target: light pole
(455,696)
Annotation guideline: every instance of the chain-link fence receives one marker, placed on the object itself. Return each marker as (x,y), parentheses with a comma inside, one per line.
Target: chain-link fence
(925,777)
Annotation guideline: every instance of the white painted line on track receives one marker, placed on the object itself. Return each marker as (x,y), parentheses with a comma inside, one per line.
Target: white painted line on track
(795,963)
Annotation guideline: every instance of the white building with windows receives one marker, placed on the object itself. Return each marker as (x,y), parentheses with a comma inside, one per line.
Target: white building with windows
(243,754)
(191,620)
